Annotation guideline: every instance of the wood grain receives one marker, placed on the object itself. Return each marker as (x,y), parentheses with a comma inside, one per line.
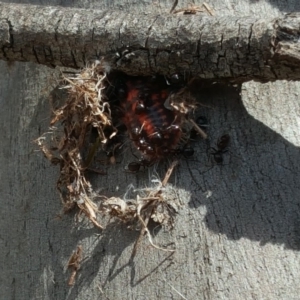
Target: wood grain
(234,48)
(237,233)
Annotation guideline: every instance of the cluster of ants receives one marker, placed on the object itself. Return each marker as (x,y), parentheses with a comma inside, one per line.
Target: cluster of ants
(154,129)
(187,151)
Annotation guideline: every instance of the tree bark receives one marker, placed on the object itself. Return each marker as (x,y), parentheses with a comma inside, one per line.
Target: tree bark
(237,233)
(238,49)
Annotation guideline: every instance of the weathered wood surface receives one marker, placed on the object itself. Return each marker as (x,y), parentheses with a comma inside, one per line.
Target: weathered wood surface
(242,242)
(238,48)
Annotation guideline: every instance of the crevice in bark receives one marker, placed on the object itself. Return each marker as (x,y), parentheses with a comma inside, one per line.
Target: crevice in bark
(10,30)
(56,30)
(74,60)
(34,51)
(11,39)
(174,6)
(249,38)
(149,31)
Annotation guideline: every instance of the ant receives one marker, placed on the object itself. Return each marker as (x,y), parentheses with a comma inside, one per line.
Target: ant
(111,155)
(186,152)
(135,166)
(202,122)
(222,144)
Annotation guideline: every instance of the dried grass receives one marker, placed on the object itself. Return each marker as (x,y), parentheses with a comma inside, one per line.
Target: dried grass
(87,107)
(74,264)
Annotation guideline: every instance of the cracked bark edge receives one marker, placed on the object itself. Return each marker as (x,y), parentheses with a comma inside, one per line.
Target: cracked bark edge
(215,48)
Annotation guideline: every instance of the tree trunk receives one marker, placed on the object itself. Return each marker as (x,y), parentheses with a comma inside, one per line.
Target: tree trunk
(236,48)
(236,235)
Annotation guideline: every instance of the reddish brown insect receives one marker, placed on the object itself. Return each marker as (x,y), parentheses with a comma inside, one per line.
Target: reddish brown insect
(154,129)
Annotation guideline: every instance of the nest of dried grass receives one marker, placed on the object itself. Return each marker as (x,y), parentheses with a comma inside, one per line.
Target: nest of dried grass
(87,107)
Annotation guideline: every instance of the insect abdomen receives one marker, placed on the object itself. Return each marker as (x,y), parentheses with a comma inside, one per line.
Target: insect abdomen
(154,129)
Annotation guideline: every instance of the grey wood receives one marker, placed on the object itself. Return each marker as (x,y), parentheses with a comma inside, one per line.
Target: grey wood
(236,235)
(211,47)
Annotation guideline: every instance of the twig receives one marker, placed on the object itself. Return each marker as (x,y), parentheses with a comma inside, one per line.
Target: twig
(169,173)
(142,232)
(198,129)
(176,291)
(210,11)
(150,237)
(74,263)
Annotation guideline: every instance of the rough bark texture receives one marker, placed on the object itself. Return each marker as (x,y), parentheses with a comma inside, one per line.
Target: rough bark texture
(237,235)
(236,48)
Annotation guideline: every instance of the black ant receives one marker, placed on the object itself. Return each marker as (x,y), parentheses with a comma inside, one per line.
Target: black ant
(187,152)
(135,166)
(222,144)
(202,122)
(111,155)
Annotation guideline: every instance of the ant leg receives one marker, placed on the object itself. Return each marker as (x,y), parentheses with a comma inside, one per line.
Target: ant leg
(111,155)
(133,153)
(218,157)
(211,152)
